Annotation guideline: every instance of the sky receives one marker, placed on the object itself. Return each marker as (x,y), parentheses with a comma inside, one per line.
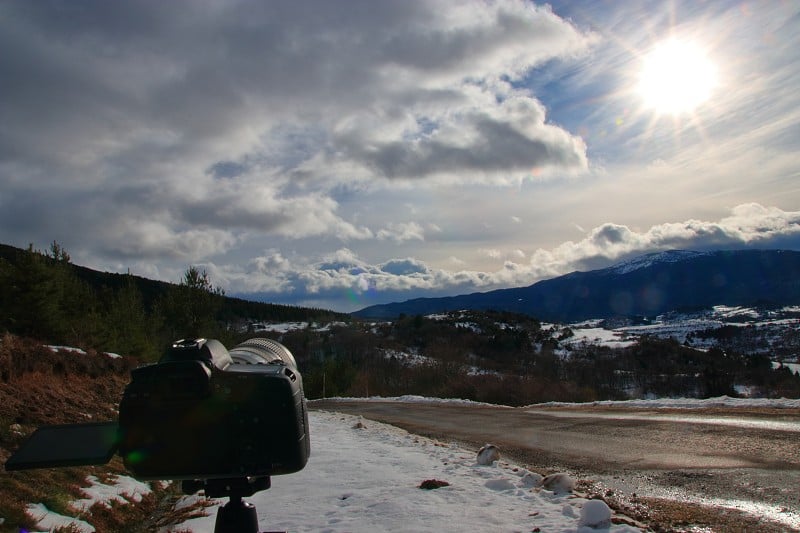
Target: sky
(344,154)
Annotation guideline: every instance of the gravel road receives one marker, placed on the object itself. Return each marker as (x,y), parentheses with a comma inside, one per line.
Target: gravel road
(721,469)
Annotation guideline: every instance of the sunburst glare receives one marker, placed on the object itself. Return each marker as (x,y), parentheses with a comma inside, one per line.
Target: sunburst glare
(676,77)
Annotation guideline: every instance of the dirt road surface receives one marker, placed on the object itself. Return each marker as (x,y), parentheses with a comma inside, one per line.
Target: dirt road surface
(721,469)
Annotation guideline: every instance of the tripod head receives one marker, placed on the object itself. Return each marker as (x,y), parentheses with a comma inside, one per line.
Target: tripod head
(236,516)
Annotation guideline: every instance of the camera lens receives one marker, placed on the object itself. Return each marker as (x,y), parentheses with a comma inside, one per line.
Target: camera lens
(260,351)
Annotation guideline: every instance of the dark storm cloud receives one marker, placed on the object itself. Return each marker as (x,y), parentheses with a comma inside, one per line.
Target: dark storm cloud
(226,169)
(497,147)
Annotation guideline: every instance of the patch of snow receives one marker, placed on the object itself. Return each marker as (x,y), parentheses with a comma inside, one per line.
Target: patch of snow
(478,371)
(57,349)
(593,323)
(794,368)
(671,256)
(725,311)
(280,327)
(470,326)
(746,391)
(410,398)
(47,520)
(690,403)
(124,489)
(595,514)
(71,349)
(600,337)
(327,327)
(409,358)
(286,327)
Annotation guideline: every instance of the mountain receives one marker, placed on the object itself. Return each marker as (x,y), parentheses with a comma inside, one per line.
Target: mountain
(645,286)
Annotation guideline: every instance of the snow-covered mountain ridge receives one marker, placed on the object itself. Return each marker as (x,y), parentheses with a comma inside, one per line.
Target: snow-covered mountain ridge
(646,286)
(648,260)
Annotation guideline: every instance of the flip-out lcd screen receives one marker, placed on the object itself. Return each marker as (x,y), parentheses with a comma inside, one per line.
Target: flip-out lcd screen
(67,445)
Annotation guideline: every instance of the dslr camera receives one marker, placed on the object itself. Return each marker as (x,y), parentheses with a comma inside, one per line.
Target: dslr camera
(203,412)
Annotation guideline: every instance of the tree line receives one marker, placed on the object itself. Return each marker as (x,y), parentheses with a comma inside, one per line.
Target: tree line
(44,296)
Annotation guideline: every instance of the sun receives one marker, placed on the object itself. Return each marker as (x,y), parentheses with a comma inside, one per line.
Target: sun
(676,77)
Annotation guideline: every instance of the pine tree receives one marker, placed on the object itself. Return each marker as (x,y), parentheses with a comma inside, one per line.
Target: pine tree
(191,308)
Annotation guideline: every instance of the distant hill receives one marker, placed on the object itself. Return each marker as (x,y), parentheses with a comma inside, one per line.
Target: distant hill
(648,285)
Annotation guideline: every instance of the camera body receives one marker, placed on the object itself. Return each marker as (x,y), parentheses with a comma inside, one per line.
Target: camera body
(203,412)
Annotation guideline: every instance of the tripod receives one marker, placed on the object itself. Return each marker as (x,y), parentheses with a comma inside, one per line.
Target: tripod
(236,516)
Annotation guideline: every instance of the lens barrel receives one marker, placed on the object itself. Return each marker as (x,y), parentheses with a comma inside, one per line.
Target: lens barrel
(261,351)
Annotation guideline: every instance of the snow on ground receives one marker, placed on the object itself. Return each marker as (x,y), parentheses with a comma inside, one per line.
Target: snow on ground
(286,327)
(125,489)
(47,520)
(725,311)
(56,349)
(78,351)
(282,327)
(410,398)
(659,403)
(408,358)
(793,367)
(366,480)
(691,403)
(600,337)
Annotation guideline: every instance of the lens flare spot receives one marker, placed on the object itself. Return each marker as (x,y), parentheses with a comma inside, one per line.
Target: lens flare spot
(135,457)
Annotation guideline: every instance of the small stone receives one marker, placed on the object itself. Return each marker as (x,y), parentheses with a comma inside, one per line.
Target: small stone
(488,455)
(558,483)
(431,484)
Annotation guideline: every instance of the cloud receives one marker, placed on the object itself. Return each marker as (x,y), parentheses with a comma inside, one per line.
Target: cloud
(241,117)
(494,139)
(401,232)
(748,226)
(405,267)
